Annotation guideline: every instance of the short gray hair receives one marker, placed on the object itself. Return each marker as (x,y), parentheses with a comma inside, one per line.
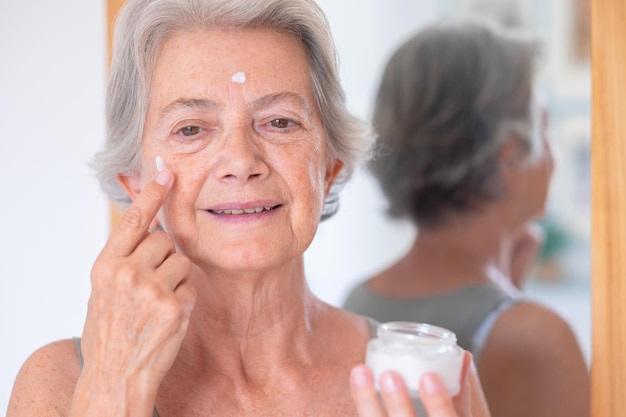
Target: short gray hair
(144,25)
(448,99)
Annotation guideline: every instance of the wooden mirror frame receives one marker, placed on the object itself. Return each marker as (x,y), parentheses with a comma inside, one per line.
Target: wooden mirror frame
(113,6)
(608,167)
(608,164)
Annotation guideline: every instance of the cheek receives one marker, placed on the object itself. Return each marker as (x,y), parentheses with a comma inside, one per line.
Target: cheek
(303,167)
(188,181)
(545,171)
(189,172)
(315,175)
(309,195)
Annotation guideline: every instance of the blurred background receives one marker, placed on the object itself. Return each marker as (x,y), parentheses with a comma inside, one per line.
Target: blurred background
(54,219)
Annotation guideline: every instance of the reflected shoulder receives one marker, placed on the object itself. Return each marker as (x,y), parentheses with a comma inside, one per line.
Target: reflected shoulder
(532,364)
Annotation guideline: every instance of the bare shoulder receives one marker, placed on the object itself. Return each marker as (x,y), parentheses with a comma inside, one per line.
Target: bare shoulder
(532,362)
(533,329)
(46,381)
(338,327)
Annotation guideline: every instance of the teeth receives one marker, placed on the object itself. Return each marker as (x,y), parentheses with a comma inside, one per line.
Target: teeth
(246,211)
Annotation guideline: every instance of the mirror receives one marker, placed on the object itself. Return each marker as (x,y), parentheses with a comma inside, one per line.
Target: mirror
(345,253)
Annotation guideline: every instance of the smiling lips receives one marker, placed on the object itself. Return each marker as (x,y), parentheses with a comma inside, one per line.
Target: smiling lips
(252,210)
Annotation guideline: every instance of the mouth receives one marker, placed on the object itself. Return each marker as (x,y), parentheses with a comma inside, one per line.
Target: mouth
(249,210)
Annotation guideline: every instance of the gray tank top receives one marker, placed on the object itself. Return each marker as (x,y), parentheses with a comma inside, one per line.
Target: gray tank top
(373,326)
(469,312)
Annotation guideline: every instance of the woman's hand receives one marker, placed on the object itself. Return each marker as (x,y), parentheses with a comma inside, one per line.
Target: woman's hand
(139,308)
(470,402)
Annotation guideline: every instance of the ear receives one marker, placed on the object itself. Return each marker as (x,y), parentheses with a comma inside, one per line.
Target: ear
(510,159)
(131,184)
(511,155)
(333,169)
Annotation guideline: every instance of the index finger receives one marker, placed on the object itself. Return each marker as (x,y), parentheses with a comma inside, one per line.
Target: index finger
(135,221)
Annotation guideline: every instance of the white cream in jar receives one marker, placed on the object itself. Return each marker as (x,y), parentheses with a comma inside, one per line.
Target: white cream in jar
(413,349)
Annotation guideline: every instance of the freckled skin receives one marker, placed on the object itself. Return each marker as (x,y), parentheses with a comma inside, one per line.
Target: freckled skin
(241,159)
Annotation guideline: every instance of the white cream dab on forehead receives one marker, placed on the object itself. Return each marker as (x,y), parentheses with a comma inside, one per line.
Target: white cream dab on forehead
(239,77)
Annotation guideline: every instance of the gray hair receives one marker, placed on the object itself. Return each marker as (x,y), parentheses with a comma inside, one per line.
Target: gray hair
(449,98)
(144,25)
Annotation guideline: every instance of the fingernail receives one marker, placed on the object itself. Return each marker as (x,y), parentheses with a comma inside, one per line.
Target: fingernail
(164,177)
(431,384)
(388,382)
(360,377)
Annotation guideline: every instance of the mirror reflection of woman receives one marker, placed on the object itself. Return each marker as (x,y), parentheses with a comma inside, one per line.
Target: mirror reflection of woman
(464,154)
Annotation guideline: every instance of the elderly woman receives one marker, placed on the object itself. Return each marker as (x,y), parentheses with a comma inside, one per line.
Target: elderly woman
(227,129)
(464,155)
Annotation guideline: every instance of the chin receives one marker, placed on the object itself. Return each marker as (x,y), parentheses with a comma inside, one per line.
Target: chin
(244,258)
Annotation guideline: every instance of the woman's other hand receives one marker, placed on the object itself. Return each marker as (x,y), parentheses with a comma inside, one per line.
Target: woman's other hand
(139,307)
(470,402)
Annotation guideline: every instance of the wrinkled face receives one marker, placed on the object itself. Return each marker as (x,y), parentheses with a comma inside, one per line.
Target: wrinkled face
(232,115)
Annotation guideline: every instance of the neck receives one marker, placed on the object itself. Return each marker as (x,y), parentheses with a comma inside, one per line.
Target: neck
(467,244)
(467,250)
(243,319)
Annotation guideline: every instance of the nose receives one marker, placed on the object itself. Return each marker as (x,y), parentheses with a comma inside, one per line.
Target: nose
(549,157)
(545,140)
(240,158)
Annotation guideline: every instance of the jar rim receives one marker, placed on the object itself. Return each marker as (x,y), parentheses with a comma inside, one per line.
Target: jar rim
(404,332)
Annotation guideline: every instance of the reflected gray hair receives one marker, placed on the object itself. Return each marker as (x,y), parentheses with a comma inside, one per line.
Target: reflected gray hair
(144,25)
(448,100)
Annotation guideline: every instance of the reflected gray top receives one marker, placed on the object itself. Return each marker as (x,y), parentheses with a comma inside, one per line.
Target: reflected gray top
(469,312)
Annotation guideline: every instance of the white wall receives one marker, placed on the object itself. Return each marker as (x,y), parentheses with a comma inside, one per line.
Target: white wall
(53,218)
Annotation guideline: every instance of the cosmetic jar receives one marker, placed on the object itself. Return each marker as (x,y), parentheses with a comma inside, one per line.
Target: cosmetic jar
(412,349)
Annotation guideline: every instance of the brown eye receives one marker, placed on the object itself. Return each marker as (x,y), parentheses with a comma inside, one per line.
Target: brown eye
(281,123)
(189,130)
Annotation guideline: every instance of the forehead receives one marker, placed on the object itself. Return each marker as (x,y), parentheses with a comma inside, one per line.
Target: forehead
(202,63)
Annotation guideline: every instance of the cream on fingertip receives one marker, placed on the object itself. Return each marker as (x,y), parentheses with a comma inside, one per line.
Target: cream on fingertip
(164,176)
(159,164)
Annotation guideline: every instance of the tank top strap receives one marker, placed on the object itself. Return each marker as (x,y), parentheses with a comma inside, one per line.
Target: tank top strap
(486,326)
(373,325)
(79,351)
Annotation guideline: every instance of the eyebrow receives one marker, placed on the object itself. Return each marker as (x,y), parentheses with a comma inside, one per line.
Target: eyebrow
(188,103)
(271,99)
(206,105)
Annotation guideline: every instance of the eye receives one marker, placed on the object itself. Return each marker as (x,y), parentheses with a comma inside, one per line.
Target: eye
(189,130)
(282,123)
